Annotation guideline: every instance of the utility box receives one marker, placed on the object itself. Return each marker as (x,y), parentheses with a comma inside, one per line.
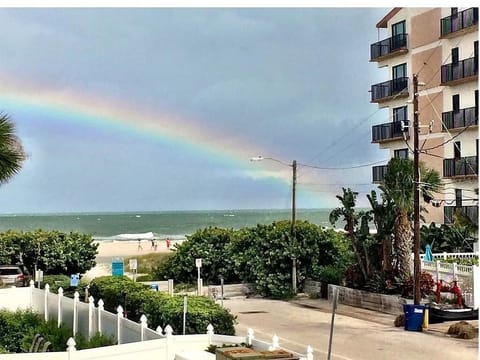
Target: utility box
(243,353)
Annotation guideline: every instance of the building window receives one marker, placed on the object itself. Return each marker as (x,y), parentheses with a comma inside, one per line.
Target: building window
(398,28)
(400,114)
(457,150)
(399,71)
(458,197)
(455,56)
(400,153)
(456,103)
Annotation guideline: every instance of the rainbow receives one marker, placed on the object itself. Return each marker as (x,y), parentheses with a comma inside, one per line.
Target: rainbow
(74,106)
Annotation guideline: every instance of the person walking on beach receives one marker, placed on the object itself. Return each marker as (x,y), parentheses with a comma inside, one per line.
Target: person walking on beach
(153,244)
(168,243)
(140,245)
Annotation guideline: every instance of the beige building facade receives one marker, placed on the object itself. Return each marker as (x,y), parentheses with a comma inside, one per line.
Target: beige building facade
(439,46)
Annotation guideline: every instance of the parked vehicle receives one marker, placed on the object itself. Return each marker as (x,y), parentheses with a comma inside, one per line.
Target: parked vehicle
(14,275)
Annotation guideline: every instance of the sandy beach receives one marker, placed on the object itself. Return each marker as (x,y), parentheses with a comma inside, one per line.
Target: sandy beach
(107,250)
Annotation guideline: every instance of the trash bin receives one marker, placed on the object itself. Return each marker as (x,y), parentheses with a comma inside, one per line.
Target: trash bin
(413,317)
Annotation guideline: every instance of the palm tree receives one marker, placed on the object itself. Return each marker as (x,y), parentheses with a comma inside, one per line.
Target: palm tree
(398,186)
(347,212)
(12,154)
(383,218)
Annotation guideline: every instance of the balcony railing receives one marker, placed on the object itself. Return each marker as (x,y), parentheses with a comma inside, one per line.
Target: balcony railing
(469,211)
(388,131)
(388,46)
(465,166)
(460,21)
(386,90)
(460,70)
(378,173)
(459,119)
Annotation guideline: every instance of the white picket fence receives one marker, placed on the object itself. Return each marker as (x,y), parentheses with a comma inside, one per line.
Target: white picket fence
(131,337)
(466,276)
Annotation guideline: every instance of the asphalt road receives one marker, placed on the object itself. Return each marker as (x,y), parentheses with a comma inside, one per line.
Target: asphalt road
(354,339)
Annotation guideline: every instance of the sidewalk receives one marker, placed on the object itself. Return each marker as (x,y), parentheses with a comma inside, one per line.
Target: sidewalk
(373,316)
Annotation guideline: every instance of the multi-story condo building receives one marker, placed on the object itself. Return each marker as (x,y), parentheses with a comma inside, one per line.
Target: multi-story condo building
(440,47)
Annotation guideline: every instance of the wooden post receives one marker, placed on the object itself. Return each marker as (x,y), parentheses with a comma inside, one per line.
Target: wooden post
(59,306)
(91,307)
(99,313)
(76,297)
(47,290)
(119,324)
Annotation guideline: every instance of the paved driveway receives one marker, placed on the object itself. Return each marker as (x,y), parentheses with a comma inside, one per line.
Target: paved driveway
(354,339)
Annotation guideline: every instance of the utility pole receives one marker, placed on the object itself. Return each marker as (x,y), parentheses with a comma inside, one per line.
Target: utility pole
(292,230)
(416,197)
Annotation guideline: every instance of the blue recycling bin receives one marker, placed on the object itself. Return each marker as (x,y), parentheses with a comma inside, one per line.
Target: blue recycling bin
(413,317)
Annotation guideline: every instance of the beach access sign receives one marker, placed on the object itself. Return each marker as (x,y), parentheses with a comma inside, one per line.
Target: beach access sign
(198,263)
(117,267)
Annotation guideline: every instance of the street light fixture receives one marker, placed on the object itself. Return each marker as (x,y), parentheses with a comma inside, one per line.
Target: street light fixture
(293,165)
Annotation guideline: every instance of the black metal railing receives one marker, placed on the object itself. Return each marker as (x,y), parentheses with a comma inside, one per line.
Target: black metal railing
(459,21)
(378,173)
(459,119)
(465,166)
(469,211)
(388,131)
(389,88)
(388,46)
(460,70)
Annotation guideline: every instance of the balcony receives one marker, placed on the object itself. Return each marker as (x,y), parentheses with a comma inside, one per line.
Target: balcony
(389,90)
(460,72)
(378,173)
(459,119)
(465,166)
(459,24)
(388,48)
(388,131)
(469,211)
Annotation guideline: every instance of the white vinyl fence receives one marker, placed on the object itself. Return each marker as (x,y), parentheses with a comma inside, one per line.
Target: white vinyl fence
(131,337)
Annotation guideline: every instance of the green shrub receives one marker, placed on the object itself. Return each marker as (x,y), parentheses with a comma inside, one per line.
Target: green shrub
(54,252)
(462,261)
(14,326)
(160,308)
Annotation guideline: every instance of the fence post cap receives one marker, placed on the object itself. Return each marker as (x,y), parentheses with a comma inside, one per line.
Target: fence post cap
(47,287)
(76,296)
(32,283)
(91,299)
(71,344)
(120,310)
(143,320)
(100,303)
(168,330)
(159,330)
(210,329)
(60,291)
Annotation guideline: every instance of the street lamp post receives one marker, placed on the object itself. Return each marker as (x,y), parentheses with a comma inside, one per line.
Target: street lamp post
(293,165)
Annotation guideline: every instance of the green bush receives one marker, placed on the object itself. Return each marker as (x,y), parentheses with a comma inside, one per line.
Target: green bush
(14,326)
(462,261)
(52,251)
(210,245)
(160,308)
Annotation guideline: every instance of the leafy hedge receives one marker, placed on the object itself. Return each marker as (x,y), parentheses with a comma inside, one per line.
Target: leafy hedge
(18,330)
(160,308)
(262,254)
(55,252)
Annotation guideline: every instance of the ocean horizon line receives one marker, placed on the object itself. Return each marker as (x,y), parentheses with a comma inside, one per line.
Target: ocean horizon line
(67,213)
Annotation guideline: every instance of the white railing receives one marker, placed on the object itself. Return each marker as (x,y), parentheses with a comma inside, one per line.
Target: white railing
(445,255)
(131,337)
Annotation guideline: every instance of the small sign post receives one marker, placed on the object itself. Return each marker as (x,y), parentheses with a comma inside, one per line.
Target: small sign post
(133,267)
(74,280)
(198,264)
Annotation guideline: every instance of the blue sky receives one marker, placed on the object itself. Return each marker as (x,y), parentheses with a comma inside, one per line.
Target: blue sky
(291,82)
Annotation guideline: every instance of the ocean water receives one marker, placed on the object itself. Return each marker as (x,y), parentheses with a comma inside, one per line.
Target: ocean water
(173,224)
